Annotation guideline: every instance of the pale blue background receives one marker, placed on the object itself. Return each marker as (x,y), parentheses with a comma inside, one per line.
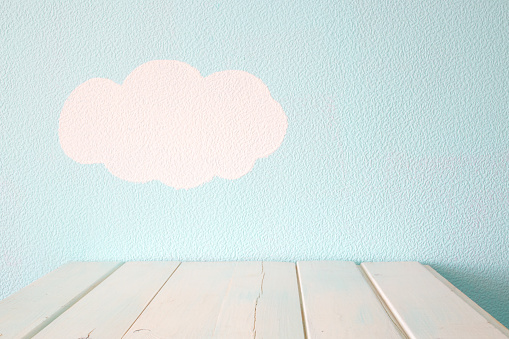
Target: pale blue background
(397,146)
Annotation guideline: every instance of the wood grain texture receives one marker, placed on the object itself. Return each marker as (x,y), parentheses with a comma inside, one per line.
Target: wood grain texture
(35,306)
(277,307)
(470,302)
(338,302)
(424,306)
(224,300)
(280,300)
(112,307)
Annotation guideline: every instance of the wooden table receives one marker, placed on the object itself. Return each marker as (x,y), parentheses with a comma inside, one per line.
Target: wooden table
(310,299)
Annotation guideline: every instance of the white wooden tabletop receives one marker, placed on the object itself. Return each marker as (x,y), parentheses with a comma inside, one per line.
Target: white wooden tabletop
(310,299)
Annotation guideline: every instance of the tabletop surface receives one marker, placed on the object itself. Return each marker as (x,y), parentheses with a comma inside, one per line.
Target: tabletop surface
(251,299)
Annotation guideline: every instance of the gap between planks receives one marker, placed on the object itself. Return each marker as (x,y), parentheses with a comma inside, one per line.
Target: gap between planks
(384,304)
(301,302)
(71,302)
(425,305)
(337,273)
(380,298)
(172,273)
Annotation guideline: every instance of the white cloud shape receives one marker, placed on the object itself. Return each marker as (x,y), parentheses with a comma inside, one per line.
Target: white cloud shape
(166,122)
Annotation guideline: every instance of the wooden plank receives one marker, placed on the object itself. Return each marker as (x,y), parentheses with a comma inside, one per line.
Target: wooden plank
(25,313)
(470,302)
(188,304)
(221,300)
(424,306)
(279,300)
(338,302)
(112,307)
(275,296)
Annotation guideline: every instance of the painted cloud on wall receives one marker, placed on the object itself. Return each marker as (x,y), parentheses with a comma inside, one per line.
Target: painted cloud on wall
(166,122)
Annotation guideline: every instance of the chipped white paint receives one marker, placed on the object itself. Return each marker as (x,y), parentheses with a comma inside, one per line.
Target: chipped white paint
(109,309)
(225,300)
(251,300)
(35,306)
(189,303)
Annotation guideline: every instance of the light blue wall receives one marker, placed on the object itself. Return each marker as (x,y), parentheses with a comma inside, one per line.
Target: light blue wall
(397,146)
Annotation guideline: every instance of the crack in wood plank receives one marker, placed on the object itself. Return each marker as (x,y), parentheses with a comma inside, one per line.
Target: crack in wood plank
(88,335)
(73,301)
(256,302)
(150,301)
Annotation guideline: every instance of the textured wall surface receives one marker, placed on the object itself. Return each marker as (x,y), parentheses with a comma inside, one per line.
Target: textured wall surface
(397,146)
